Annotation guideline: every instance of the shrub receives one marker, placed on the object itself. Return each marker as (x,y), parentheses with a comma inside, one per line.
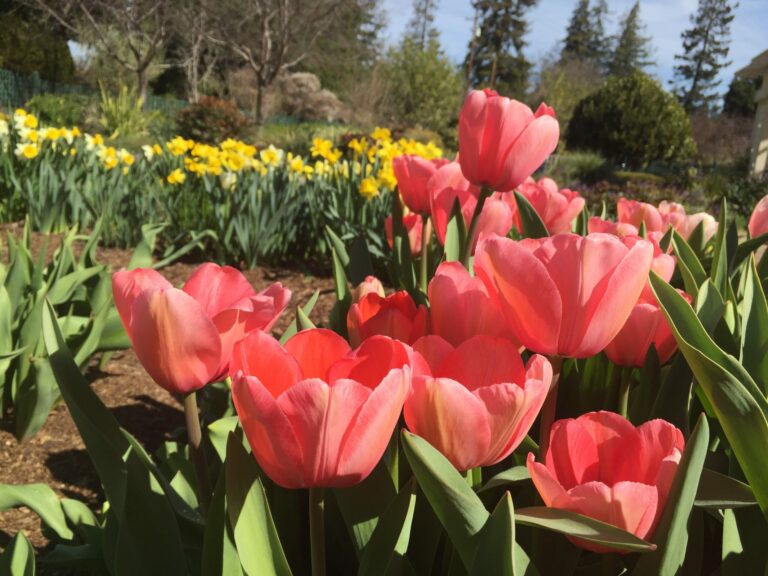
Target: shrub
(632,121)
(211,120)
(123,116)
(61,109)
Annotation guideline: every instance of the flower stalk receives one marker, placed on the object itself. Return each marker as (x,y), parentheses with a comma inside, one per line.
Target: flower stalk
(195,435)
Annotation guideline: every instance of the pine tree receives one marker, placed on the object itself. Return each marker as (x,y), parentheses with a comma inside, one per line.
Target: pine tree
(421,27)
(705,50)
(495,58)
(580,37)
(740,98)
(632,48)
(599,44)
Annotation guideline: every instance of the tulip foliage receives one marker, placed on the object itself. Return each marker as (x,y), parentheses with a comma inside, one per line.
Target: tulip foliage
(545,391)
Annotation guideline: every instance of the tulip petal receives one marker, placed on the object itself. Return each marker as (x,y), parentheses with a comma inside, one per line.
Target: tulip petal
(546,484)
(217,287)
(658,440)
(371,362)
(631,344)
(483,361)
(434,349)
(174,340)
(530,150)
(128,284)
(316,350)
(269,432)
(614,437)
(261,356)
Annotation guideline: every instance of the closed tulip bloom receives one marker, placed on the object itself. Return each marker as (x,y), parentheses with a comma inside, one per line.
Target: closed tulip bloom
(646,325)
(565,295)
(413,227)
(412,173)
(637,213)
(672,214)
(396,316)
(370,284)
(557,208)
(502,141)
(663,264)
(758,221)
(707,222)
(620,229)
(316,413)
(184,338)
(479,402)
(460,306)
(601,466)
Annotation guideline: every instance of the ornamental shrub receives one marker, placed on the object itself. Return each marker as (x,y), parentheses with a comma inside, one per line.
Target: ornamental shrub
(210,120)
(632,121)
(62,109)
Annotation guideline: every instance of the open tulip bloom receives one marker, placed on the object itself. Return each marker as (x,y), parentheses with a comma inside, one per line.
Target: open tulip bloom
(601,466)
(396,316)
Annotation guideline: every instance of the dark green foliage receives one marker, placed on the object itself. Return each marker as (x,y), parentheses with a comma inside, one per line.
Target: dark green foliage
(632,48)
(632,121)
(740,98)
(495,58)
(421,27)
(211,120)
(585,36)
(62,109)
(705,52)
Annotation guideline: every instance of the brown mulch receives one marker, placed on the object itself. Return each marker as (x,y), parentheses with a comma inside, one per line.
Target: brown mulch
(56,455)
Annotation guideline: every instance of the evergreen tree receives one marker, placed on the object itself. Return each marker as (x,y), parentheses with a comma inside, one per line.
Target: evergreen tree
(632,48)
(740,98)
(495,58)
(705,50)
(582,39)
(421,28)
(599,44)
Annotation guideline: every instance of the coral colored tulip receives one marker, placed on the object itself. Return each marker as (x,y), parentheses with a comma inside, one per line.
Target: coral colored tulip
(601,466)
(567,295)
(413,227)
(460,306)
(619,229)
(646,325)
(672,214)
(479,402)
(370,284)
(758,221)
(707,221)
(184,338)
(501,141)
(396,316)
(663,264)
(557,208)
(447,186)
(316,413)
(637,213)
(412,173)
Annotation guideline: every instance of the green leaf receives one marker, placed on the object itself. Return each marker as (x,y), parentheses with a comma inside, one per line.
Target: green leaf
(458,508)
(754,327)
(389,541)
(343,297)
(218,433)
(533,226)
(142,254)
(511,476)
(746,248)
(62,291)
(18,558)
(302,320)
(255,535)
(688,263)
(337,245)
(719,271)
(740,406)
(307,310)
(219,551)
(671,534)
(42,500)
(582,527)
(455,234)
(719,491)
(496,551)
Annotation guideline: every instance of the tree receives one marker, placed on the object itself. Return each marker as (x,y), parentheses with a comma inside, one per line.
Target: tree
(585,35)
(599,44)
(740,98)
(495,58)
(632,48)
(705,50)
(421,28)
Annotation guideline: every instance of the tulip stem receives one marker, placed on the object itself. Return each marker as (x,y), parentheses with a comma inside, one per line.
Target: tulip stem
(624,385)
(426,233)
(317,530)
(485,193)
(195,436)
(550,406)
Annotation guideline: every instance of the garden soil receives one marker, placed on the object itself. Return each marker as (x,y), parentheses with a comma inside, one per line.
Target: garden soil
(56,456)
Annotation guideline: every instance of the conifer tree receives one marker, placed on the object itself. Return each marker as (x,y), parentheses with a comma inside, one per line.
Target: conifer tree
(633,50)
(421,27)
(705,52)
(580,39)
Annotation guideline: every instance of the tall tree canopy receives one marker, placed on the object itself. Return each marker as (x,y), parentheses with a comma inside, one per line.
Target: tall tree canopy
(585,36)
(633,51)
(421,27)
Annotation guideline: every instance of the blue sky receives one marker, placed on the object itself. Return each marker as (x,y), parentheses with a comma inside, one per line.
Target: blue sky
(664,20)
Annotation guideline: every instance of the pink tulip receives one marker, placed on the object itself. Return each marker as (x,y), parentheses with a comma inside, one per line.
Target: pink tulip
(370,284)
(758,221)
(413,227)
(184,338)
(564,295)
(557,208)
(619,229)
(646,325)
(412,173)
(672,214)
(707,221)
(663,264)
(636,213)
(601,466)
(316,413)
(501,141)
(479,402)
(460,306)
(396,316)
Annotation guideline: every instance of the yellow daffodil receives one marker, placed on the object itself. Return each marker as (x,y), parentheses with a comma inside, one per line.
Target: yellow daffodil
(381,134)
(368,188)
(271,156)
(176,177)
(27,150)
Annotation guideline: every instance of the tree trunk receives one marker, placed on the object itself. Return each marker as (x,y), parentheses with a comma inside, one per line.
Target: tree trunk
(142,85)
(261,88)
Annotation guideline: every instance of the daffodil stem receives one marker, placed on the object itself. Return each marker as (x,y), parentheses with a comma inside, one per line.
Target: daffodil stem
(426,233)
(485,193)
(317,530)
(195,435)
(624,385)
(550,407)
